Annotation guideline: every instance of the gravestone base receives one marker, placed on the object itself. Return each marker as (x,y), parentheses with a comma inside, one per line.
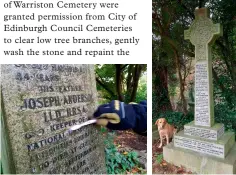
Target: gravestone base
(211,133)
(218,148)
(200,163)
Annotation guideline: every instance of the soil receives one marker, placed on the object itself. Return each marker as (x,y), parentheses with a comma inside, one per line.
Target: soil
(130,139)
(160,166)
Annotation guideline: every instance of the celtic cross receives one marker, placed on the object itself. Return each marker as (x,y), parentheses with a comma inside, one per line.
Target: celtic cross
(202,34)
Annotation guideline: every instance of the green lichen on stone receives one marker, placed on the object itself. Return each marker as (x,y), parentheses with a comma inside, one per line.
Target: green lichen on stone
(26,126)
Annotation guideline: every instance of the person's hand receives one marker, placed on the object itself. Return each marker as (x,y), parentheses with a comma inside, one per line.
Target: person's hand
(115,115)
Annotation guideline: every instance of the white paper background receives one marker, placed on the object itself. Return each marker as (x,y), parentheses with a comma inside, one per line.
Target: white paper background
(140,54)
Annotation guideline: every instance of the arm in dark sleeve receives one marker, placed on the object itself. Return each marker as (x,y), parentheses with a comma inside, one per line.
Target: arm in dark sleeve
(141,118)
(127,116)
(135,117)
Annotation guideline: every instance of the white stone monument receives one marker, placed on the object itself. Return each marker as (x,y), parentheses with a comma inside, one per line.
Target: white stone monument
(203,146)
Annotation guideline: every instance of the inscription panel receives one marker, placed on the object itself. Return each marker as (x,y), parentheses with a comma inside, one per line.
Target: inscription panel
(221,132)
(200,146)
(41,103)
(203,132)
(202,113)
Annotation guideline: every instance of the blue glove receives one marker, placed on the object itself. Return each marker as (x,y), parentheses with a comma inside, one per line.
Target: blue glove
(120,116)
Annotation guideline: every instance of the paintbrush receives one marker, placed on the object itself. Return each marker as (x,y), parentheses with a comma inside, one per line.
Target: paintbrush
(75,127)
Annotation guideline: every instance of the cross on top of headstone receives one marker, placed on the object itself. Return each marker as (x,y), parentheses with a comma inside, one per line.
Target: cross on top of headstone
(202,33)
(203,135)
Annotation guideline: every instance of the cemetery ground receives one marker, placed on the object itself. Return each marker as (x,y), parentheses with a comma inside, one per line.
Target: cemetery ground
(160,166)
(125,152)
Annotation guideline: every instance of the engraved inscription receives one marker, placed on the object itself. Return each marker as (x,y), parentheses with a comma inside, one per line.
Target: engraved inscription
(199,132)
(200,146)
(61,89)
(203,133)
(47,101)
(202,115)
(221,132)
(202,34)
(44,102)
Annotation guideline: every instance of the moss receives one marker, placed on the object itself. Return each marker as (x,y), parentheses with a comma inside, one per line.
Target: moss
(6,155)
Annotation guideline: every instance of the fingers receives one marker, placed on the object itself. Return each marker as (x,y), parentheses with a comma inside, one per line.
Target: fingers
(108,117)
(109,113)
(102,109)
(102,122)
(111,117)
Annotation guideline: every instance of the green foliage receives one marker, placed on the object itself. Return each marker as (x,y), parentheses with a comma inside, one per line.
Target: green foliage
(106,77)
(160,98)
(225,107)
(225,98)
(103,130)
(106,73)
(141,92)
(116,162)
(172,90)
(159,158)
(225,115)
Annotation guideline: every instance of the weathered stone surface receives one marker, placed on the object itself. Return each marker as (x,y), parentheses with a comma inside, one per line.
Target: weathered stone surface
(40,103)
(202,34)
(199,143)
(218,148)
(142,158)
(203,85)
(212,133)
(200,163)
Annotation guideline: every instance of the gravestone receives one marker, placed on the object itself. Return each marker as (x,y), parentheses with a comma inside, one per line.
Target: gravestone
(203,146)
(39,104)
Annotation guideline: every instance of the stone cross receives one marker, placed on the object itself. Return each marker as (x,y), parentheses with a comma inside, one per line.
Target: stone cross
(203,146)
(202,34)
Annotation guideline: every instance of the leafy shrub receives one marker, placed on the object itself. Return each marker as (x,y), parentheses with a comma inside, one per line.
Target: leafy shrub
(141,92)
(226,115)
(159,158)
(116,162)
(225,98)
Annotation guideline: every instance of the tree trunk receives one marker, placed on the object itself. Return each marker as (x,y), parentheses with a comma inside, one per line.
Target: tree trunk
(129,79)
(119,82)
(136,76)
(161,99)
(181,82)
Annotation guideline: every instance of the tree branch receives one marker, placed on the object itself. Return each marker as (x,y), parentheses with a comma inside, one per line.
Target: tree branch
(122,68)
(157,20)
(105,87)
(188,11)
